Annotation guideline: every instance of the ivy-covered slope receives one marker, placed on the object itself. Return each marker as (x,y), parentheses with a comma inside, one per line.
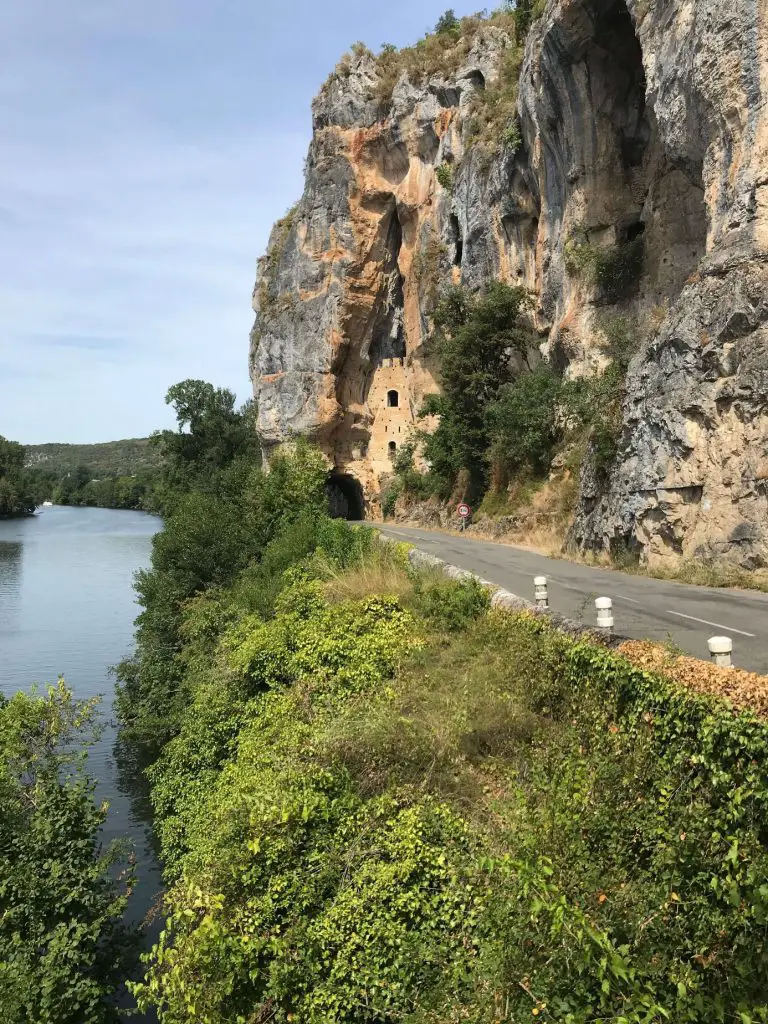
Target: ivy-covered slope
(388,803)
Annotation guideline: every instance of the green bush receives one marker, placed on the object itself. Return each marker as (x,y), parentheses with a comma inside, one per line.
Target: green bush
(389,497)
(63,950)
(450,607)
(444,175)
(613,270)
(506,822)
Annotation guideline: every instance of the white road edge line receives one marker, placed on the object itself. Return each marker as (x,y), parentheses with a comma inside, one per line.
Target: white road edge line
(706,622)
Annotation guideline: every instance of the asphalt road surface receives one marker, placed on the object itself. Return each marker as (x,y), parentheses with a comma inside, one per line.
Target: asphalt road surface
(642,607)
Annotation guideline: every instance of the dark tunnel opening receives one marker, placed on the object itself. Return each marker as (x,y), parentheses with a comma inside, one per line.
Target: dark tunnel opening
(345,497)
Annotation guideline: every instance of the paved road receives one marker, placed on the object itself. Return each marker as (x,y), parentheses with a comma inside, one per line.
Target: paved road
(642,607)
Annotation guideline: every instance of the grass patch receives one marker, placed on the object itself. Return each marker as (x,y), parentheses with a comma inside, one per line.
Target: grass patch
(711,573)
(383,569)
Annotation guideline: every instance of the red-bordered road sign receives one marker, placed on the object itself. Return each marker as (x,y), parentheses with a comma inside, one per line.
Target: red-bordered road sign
(464,510)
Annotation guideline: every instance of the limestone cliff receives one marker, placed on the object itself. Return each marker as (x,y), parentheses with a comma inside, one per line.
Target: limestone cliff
(641,136)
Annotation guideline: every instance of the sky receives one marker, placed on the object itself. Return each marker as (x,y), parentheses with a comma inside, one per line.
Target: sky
(148,146)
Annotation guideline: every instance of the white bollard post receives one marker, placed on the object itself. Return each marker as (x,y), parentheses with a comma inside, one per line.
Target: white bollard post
(604,606)
(540,591)
(720,650)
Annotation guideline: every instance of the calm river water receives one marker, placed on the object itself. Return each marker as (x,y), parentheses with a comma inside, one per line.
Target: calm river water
(67,608)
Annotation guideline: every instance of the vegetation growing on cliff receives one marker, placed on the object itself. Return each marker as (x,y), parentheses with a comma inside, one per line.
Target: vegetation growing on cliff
(612,270)
(505,415)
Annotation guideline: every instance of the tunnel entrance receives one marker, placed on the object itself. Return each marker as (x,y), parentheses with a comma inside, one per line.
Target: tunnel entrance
(345,497)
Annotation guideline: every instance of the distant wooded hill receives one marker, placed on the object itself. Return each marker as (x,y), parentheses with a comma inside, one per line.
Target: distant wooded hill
(113,458)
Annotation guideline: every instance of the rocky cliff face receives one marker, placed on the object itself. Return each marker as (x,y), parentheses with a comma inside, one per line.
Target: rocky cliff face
(642,140)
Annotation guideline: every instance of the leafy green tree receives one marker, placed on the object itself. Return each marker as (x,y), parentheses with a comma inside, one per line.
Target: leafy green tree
(448,24)
(15,499)
(207,541)
(523,421)
(212,436)
(475,338)
(71,485)
(525,13)
(63,952)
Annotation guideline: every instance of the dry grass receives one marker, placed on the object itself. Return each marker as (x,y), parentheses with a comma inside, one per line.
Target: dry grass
(745,690)
(531,514)
(710,573)
(382,570)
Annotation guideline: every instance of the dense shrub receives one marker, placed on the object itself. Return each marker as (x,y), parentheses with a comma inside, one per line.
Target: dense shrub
(448,607)
(63,952)
(207,542)
(506,824)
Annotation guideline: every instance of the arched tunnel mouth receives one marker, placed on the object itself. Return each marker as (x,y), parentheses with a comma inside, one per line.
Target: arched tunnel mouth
(345,497)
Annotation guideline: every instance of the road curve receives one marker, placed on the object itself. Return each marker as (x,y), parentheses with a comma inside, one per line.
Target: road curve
(642,607)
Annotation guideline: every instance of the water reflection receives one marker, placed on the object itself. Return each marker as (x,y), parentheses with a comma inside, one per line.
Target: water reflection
(10,583)
(131,761)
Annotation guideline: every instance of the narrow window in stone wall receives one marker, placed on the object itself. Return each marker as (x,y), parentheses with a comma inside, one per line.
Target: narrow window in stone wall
(392,449)
(393,399)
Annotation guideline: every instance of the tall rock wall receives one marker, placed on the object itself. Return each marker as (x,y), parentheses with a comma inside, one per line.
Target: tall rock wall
(642,135)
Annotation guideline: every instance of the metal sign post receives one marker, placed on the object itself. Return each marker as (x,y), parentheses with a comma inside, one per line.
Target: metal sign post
(464,512)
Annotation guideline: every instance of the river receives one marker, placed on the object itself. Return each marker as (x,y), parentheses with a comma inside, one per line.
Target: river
(67,608)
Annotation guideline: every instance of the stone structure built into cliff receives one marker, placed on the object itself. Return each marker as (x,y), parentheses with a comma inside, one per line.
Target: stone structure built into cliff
(640,135)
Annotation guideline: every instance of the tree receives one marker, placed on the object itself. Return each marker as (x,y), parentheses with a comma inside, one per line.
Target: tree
(15,499)
(448,23)
(524,12)
(475,338)
(212,435)
(63,952)
(208,540)
(523,422)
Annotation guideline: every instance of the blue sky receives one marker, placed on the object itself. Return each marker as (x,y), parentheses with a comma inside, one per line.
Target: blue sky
(148,145)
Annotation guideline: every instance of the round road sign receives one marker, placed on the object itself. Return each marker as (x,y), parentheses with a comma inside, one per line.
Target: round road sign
(463,510)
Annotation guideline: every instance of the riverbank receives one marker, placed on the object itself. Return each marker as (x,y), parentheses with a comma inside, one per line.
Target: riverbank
(67,607)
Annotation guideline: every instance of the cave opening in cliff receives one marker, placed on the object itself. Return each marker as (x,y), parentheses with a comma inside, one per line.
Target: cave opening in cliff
(388,332)
(458,241)
(656,206)
(345,497)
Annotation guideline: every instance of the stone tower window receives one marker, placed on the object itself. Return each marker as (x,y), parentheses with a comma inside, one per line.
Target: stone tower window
(392,447)
(393,399)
